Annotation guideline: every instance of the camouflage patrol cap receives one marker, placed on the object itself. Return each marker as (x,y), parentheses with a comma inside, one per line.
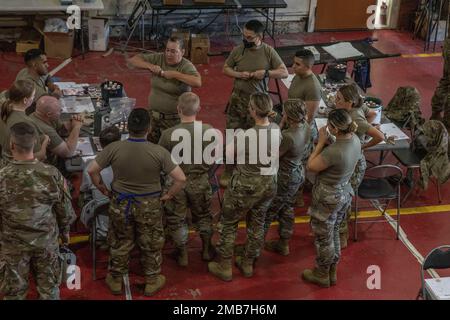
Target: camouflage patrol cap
(295,109)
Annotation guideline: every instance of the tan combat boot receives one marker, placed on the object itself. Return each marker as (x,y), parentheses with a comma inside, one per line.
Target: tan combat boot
(182,256)
(319,276)
(280,246)
(114,284)
(333,274)
(343,238)
(153,284)
(221,269)
(208,251)
(245,265)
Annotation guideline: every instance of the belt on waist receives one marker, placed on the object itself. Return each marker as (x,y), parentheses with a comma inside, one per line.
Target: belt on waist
(131,198)
(166,116)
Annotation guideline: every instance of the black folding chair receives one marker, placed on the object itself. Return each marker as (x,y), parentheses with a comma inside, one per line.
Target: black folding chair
(380,183)
(438,258)
(101,210)
(411,158)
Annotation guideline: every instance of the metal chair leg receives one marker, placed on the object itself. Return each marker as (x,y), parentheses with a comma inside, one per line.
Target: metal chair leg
(355,231)
(398,211)
(439,190)
(94,253)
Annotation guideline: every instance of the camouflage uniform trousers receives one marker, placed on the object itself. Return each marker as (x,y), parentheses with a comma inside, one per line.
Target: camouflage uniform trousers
(238,116)
(355,181)
(328,209)
(158,125)
(440,102)
(282,207)
(45,266)
(250,196)
(143,227)
(196,196)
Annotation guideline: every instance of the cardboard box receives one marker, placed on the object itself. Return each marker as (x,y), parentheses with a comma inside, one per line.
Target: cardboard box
(56,44)
(186,36)
(172,2)
(98,34)
(29,39)
(199,49)
(209,1)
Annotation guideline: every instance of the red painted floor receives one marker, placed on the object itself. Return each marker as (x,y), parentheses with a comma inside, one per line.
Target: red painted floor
(278,277)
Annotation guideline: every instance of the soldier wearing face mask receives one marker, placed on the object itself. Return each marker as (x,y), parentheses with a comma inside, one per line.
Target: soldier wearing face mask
(251,64)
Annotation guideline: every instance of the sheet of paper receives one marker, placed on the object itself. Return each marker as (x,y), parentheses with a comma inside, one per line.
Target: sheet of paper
(77,105)
(84,147)
(321,122)
(343,50)
(287,82)
(390,129)
(65,85)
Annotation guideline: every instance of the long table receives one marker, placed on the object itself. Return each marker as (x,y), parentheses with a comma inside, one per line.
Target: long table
(382,148)
(267,8)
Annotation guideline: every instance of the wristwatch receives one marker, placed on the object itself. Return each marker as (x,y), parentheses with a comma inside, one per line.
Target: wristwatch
(266,74)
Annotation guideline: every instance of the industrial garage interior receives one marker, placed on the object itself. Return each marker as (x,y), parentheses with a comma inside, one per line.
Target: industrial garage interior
(101,65)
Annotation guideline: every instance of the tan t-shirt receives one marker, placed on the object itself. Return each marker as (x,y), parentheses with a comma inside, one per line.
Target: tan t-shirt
(55,139)
(359,116)
(39,83)
(166,142)
(341,158)
(262,58)
(136,165)
(16,117)
(164,93)
(292,146)
(306,89)
(254,147)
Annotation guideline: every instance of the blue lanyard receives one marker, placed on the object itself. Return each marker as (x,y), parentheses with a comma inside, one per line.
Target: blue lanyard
(137,140)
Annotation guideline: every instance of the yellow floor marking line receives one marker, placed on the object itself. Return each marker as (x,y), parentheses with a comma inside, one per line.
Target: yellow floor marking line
(422,55)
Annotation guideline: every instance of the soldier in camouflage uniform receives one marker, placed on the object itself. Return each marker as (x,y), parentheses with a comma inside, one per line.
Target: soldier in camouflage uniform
(250,192)
(197,194)
(291,175)
(135,214)
(251,65)
(440,101)
(348,98)
(332,193)
(35,210)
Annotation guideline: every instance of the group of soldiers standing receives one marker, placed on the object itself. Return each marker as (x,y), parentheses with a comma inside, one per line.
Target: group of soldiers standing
(140,200)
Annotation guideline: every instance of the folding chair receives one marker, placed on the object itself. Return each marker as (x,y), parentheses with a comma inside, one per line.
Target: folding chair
(411,158)
(100,210)
(438,258)
(380,183)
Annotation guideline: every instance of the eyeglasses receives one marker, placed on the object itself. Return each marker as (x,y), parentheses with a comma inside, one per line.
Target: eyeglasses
(249,38)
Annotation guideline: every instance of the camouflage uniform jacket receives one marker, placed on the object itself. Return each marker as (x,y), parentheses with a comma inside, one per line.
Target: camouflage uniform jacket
(35,205)
(404,107)
(436,162)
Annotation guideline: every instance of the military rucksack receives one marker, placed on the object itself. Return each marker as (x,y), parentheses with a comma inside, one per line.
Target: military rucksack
(404,108)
